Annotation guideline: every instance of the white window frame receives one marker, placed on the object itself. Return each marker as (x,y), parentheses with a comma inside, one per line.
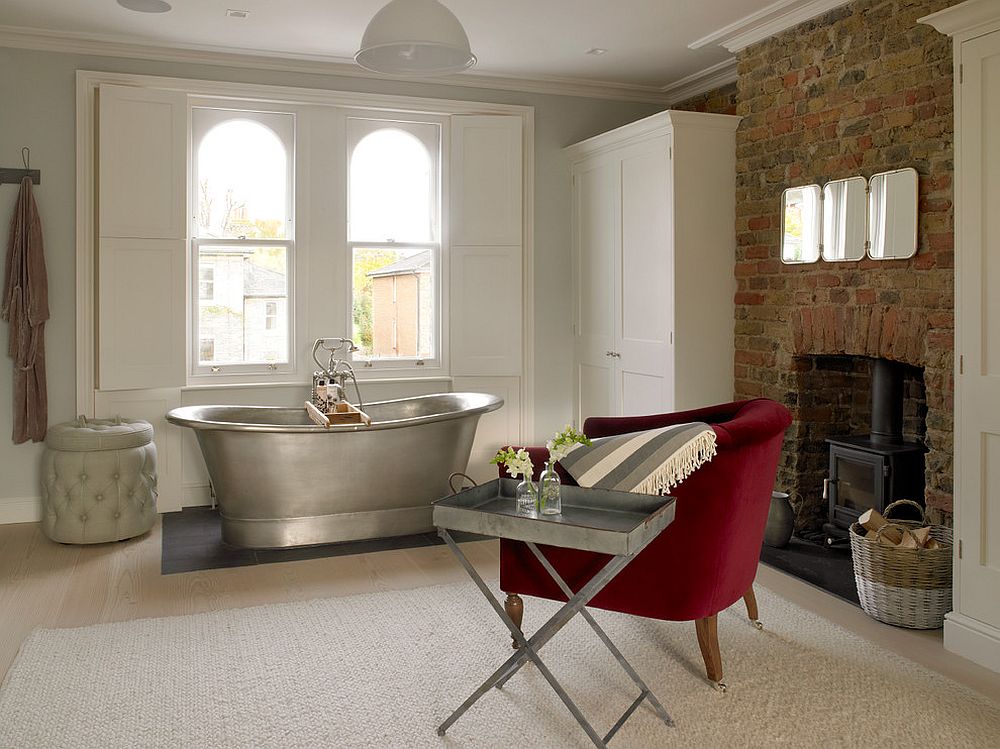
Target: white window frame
(283,125)
(359,125)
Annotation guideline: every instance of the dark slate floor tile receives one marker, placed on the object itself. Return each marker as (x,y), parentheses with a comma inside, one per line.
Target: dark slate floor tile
(192,540)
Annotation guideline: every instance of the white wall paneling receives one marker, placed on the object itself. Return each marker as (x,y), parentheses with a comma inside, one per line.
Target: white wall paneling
(973,628)
(654,206)
(496,429)
(486,199)
(142,154)
(141,313)
(487,309)
(152,406)
(487,243)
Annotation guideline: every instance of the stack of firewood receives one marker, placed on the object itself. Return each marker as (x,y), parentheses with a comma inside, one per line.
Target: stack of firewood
(889,533)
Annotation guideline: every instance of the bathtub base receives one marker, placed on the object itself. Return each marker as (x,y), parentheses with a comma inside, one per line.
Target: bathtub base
(276,533)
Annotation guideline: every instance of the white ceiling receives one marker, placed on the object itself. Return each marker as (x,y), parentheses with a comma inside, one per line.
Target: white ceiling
(647,40)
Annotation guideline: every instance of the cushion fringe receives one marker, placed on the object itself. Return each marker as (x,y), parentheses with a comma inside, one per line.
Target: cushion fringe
(699,450)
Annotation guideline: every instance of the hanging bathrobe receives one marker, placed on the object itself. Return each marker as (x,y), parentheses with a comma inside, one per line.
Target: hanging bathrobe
(25,306)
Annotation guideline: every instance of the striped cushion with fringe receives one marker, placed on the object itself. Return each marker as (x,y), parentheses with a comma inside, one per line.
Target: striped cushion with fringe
(647,462)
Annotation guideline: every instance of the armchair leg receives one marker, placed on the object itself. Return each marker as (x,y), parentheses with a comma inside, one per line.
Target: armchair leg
(514,607)
(751,602)
(708,640)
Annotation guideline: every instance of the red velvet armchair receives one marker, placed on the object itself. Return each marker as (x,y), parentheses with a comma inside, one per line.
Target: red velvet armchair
(706,560)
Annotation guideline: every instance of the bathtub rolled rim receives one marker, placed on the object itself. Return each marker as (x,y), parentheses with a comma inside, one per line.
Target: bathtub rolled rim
(193,416)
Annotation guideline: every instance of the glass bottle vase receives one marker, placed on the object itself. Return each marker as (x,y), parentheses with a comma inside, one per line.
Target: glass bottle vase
(526,497)
(549,491)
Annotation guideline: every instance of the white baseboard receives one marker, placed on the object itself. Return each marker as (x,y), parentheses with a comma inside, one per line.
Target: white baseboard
(972,639)
(29,509)
(20,510)
(197,495)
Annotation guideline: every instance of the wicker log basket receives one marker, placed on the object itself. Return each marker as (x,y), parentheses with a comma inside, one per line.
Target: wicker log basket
(901,586)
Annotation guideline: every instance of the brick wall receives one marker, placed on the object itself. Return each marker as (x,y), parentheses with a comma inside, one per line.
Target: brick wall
(861,89)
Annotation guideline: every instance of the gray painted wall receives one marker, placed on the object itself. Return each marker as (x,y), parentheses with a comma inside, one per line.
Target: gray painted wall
(38,94)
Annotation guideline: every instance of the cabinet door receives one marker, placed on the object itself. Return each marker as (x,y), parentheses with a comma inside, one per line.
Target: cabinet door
(596,239)
(645,310)
(977,459)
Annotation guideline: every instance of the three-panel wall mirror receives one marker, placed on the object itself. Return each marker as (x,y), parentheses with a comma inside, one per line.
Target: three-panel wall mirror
(850,218)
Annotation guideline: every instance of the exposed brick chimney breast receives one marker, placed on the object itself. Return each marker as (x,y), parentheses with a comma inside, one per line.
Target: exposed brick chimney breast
(861,89)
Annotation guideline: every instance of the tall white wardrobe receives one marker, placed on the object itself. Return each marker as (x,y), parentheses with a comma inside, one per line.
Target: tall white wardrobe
(653,257)
(973,628)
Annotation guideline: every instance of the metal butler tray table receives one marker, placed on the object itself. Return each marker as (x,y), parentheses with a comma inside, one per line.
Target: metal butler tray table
(619,524)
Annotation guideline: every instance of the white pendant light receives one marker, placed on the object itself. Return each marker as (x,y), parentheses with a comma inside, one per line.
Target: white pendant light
(415,37)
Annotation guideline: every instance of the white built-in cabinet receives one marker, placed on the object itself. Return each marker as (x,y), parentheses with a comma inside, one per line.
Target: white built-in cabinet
(973,628)
(653,254)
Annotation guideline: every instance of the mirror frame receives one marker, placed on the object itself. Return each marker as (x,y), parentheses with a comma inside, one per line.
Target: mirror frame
(862,247)
(869,244)
(818,224)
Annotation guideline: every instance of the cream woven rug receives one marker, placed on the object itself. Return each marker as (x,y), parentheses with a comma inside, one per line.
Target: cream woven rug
(382,670)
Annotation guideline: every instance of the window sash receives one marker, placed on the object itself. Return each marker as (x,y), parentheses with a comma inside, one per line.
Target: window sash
(369,366)
(281,124)
(430,132)
(196,336)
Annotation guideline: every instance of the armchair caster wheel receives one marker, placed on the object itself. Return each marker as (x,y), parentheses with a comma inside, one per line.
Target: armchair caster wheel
(719,686)
(758,624)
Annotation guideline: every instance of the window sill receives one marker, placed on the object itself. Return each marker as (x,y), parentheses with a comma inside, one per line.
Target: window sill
(295,383)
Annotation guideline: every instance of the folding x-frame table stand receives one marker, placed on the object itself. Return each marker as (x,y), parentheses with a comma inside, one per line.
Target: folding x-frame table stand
(611,522)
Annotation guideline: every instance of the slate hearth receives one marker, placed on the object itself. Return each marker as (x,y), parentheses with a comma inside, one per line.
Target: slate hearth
(192,540)
(824,567)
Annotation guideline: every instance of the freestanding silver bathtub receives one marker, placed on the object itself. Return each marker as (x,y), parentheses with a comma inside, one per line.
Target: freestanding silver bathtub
(281,480)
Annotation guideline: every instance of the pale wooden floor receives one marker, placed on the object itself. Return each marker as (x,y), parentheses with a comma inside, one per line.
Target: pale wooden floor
(43,584)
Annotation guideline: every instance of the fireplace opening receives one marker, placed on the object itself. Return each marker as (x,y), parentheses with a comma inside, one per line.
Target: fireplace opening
(858,443)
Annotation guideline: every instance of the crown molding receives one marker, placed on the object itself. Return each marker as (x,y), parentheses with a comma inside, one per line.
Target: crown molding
(710,78)
(649,127)
(116,46)
(766,22)
(965,17)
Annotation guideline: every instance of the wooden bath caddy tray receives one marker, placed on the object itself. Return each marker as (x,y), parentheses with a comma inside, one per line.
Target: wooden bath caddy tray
(343,413)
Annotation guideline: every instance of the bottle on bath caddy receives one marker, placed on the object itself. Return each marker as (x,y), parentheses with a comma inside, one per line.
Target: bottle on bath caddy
(549,491)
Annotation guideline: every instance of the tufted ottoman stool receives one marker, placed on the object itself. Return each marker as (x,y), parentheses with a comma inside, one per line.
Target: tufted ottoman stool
(98,480)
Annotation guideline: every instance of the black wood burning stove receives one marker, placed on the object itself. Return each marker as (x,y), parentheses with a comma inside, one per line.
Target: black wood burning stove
(870,472)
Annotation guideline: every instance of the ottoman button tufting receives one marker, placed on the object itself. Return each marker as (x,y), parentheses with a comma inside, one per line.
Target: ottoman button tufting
(85,454)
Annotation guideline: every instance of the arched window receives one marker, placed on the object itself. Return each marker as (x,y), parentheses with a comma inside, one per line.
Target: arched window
(393,184)
(242,182)
(242,248)
(394,236)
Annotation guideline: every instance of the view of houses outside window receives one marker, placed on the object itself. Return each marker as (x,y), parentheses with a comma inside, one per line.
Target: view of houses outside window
(394,302)
(394,238)
(242,247)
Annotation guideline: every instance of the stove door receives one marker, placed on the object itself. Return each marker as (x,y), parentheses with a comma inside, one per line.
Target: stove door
(856,485)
